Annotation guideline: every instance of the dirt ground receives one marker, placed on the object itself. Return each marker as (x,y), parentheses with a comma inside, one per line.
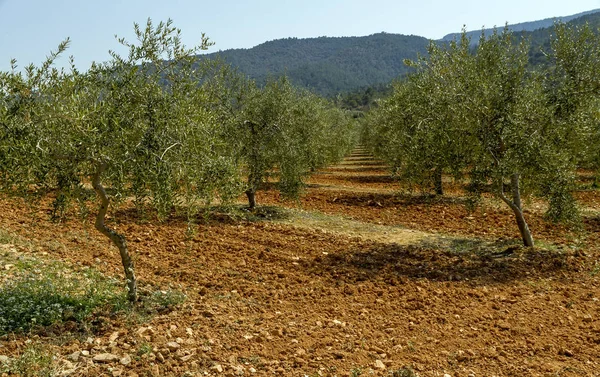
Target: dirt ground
(358,279)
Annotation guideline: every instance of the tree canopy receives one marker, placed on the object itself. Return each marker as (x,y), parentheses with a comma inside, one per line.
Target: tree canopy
(159,129)
(486,115)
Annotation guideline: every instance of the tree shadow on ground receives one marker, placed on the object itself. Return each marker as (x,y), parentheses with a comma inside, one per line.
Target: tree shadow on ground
(393,200)
(360,162)
(478,262)
(221,214)
(355,169)
(592,224)
(373,178)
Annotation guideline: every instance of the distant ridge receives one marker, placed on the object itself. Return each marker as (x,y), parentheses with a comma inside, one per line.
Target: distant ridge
(523,26)
(333,65)
(329,65)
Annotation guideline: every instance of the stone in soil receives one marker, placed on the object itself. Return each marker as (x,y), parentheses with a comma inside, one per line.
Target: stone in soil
(105,358)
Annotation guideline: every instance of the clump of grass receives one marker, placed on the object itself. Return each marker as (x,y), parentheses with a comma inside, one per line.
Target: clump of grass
(162,301)
(36,294)
(36,361)
(41,294)
(144,349)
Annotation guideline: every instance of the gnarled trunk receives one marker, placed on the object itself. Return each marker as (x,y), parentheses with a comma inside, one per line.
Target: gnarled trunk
(515,205)
(251,194)
(116,238)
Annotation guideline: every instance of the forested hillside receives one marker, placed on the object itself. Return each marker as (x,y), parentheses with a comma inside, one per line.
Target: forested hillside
(329,65)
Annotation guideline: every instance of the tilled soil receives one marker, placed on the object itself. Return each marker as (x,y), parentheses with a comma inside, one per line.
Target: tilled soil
(267,298)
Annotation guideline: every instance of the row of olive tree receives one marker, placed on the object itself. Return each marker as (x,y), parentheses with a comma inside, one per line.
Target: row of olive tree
(278,130)
(159,128)
(292,131)
(484,114)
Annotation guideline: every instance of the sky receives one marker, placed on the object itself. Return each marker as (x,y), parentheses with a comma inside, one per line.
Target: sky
(29,30)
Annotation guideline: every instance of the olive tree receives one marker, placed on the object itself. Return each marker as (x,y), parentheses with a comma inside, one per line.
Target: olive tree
(275,129)
(416,129)
(518,147)
(382,131)
(572,89)
(484,114)
(279,128)
(498,104)
(131,128)
(23,108)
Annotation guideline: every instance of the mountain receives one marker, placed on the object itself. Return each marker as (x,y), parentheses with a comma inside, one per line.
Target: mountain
(520,27)
(352,65)
(327,65)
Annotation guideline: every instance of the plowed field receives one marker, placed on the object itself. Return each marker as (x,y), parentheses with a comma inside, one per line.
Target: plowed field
(359,278)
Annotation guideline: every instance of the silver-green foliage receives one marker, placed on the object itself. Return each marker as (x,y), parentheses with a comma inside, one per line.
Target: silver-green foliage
(24,109)
(158,127)
(572,89)
(279,128)
(483,113)
(416,129)
(131,126)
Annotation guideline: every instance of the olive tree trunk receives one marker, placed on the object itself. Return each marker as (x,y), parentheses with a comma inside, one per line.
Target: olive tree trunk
(251,194)
(254,175)
(437,181)
(517,208)
(253,185)
(117,239)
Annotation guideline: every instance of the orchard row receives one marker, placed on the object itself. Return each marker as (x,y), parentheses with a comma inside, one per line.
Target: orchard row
(486,117)
(161,128)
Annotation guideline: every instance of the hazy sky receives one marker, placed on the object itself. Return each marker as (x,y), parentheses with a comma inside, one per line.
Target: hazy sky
(30,29)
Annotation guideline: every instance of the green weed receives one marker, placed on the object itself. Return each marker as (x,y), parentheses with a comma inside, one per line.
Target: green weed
(36,361)
(41,294)
(144,349)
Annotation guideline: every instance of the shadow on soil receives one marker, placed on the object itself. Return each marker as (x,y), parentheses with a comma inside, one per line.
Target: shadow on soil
(233,214)
(592,224)
(478,262)
(360,162)
(392,200)
(356,169)
(371,179)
